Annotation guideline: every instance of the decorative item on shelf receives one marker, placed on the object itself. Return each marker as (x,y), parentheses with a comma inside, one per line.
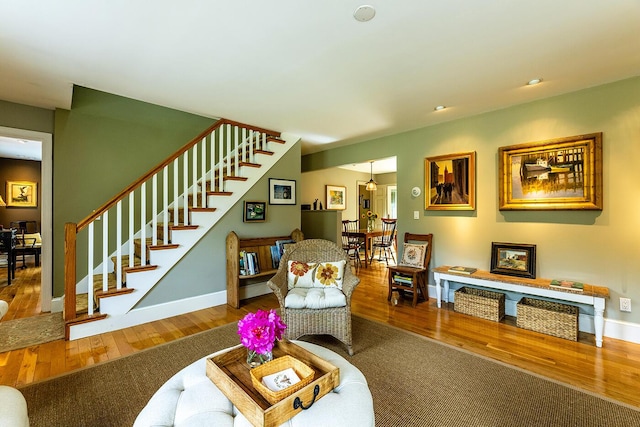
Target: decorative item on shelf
(371,185)
(258,333)
(371,219)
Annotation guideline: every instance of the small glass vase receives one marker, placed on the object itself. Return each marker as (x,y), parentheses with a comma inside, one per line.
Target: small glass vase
(371,224)
(255,359)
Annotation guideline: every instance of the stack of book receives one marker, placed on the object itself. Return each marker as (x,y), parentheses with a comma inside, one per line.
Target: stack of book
(403,279)
(249,263)
(462,270)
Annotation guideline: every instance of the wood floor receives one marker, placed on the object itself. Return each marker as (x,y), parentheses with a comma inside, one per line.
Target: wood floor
(613,370)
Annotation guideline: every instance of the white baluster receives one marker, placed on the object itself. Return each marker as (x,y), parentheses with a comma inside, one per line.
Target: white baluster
(194,177)
(165,205)
(118,264)
(203,173)
(90,269)
(105,251)
(143,223)
(220,157)
(154,209)
(185,186)
(213,160)
(132,250)
(176,174)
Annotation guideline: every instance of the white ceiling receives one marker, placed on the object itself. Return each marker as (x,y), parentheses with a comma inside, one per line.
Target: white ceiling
(310,68)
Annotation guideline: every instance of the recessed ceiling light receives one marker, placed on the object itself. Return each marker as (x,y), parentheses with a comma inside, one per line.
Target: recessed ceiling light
(534,82)
(364,13)
(440,108)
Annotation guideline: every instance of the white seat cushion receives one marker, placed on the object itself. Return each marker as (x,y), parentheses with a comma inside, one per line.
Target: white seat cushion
(315,298)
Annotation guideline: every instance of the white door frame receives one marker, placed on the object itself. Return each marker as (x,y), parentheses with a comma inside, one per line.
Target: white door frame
(46,210)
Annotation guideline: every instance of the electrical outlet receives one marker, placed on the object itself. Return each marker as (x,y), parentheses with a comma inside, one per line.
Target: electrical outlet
(416,214)
(625,304)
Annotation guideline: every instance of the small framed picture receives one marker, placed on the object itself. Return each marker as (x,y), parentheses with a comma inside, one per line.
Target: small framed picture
(336,197)
(282,191)
(22,194)
(513,259)
(255,211)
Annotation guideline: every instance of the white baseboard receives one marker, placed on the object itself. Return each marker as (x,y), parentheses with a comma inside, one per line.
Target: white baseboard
(57,305)
(625,331)
(148,314)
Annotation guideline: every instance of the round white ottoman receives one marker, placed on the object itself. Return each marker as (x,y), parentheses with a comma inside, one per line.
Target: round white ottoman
(13,408)
(190,398)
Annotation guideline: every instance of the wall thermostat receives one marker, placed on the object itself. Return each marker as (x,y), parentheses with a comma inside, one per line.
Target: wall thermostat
(415,191)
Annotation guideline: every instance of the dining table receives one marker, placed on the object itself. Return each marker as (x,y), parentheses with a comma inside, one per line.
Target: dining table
(367,236)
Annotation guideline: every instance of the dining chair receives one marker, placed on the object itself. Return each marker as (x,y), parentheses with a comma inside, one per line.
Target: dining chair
(411,273)
(350,242)
(384,244)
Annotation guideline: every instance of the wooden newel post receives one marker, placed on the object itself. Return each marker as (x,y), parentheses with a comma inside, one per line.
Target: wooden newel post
(70,271)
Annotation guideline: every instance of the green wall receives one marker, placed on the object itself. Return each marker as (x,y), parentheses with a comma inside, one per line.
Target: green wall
(26,117)
(598,247)
(102,144)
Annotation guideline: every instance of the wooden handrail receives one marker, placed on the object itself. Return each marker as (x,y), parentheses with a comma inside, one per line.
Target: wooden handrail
(115,199)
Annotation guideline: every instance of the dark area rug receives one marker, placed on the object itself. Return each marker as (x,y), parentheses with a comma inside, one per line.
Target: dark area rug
(414,381)
(21,333)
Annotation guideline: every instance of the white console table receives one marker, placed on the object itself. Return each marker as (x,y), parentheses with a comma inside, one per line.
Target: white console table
(591,295)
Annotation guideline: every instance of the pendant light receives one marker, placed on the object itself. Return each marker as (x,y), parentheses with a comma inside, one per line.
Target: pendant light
(371,185)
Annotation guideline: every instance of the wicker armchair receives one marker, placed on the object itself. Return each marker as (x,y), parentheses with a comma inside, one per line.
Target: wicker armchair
(330,321)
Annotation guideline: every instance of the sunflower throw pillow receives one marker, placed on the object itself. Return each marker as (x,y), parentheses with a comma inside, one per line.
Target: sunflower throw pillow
(315,275)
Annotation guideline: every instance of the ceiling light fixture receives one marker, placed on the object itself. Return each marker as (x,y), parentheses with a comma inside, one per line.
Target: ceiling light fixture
(534,82)
(364,13)
(439,108)
(371,185)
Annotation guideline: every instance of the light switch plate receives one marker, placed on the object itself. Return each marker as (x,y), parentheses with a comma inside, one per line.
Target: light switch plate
(416,214)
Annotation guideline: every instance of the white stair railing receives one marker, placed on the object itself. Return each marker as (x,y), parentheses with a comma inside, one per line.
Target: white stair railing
(211,157)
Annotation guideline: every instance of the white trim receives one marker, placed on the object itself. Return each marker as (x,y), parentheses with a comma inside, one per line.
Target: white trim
(46,208)
(148,314)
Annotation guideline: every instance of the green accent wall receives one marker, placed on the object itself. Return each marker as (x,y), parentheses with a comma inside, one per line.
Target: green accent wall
(598,247)
(21,116)
(101,145)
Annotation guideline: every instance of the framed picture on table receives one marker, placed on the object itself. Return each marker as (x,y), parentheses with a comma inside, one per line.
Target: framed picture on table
(513,259)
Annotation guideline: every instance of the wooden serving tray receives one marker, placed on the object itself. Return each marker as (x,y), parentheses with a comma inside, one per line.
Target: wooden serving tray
(230,372)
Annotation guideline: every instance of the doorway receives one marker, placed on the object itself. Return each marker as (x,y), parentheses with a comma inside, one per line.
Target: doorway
(46,211)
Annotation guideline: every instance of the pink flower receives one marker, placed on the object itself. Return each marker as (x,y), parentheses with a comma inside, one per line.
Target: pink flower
(258,331)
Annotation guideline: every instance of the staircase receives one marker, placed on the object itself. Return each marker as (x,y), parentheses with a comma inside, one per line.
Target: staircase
(128,245)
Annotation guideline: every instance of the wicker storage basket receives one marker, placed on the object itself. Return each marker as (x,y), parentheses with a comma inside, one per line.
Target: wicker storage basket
(304,372)
(551,318)
(480,303)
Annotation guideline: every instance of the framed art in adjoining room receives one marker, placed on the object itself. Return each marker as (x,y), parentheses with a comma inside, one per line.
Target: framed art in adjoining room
(255,211)
(22,194)
(282,191)
(513,259)
(450,182)
(336,197)
(562,173)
